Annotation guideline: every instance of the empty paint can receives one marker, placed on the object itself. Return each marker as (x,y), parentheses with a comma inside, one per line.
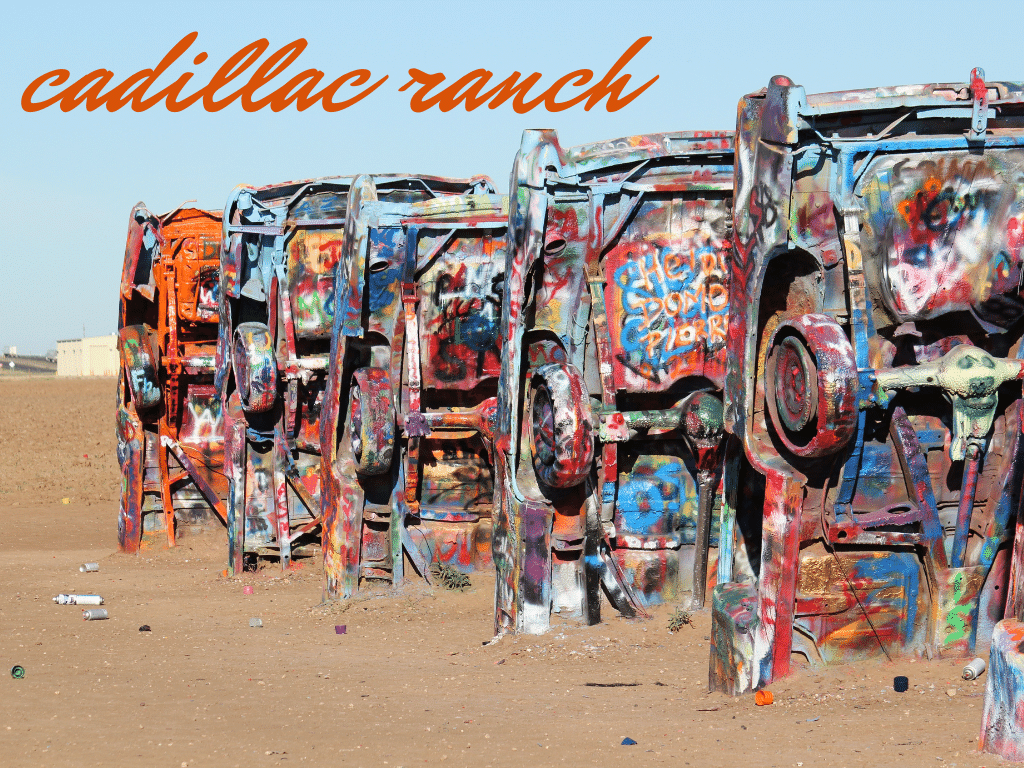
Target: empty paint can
(78,600)
(255,622)
(94,614)
(89,567)
(975,669)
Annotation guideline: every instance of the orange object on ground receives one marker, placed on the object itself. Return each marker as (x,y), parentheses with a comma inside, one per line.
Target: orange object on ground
(763,698)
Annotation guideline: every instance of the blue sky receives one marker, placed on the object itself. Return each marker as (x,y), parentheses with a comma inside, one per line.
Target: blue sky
(69,180)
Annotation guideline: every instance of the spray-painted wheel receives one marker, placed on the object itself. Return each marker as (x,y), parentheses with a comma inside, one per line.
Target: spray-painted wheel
(561,431)
(141,366)
(811,385)
(372,421)
(252,358)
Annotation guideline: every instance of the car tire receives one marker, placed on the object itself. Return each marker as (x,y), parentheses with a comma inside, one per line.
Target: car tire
(141,363)
(561,431)
(811,385)
(371,421)
(252,358)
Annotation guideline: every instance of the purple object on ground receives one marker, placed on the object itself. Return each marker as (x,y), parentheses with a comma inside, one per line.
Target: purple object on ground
(339,629)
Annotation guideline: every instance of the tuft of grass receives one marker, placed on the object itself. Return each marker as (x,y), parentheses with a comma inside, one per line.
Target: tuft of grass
(449,576)
(678,619)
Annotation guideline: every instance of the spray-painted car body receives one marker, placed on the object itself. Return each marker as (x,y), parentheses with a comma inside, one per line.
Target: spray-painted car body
(407,429)
(874,347)
(614,325)
(169,426)
(1002,727)
(281,248)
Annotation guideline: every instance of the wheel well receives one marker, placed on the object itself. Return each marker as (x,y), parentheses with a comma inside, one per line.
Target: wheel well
(793,285)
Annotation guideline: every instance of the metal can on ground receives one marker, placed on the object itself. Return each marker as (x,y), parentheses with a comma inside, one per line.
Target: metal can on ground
(975,669)
(78,600)
(89,567)
(94,614)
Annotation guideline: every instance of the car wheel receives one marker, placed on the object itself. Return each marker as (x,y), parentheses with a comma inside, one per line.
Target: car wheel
(141,366)
(811,385)
(252,358)
(562,442)
(372,421)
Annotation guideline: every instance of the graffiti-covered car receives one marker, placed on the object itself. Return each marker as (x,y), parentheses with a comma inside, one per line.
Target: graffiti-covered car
(615,318)
(281,247)
(169,426)
(874,366)
(408,425)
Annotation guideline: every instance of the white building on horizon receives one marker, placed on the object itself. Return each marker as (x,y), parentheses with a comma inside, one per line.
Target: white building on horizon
(92,356)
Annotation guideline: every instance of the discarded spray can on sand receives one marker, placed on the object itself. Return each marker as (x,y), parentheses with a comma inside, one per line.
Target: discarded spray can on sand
(974,670)
(94,614)
(89,567)
(78,600)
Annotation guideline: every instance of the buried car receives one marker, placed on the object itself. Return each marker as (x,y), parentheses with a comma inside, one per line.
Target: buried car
(281,248)
(169,426)
(874,365)
(407,425)
(614,329)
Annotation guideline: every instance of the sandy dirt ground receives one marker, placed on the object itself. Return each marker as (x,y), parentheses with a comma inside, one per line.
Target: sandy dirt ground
(411,682)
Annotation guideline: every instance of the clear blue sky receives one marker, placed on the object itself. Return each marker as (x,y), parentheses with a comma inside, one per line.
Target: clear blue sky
(69,180)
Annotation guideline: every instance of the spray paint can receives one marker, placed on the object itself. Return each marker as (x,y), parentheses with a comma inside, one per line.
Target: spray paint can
(94,614)
(78,600)
(89,567)
(975,669)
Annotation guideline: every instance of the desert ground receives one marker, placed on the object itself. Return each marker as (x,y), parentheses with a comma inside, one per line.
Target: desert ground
(414,680)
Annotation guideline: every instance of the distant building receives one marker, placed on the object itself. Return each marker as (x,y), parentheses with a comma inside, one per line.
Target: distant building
(12,351)
(94,356)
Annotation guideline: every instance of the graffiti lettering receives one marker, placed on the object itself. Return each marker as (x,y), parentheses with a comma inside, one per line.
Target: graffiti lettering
(669,304)
(314,308)
(141,383)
